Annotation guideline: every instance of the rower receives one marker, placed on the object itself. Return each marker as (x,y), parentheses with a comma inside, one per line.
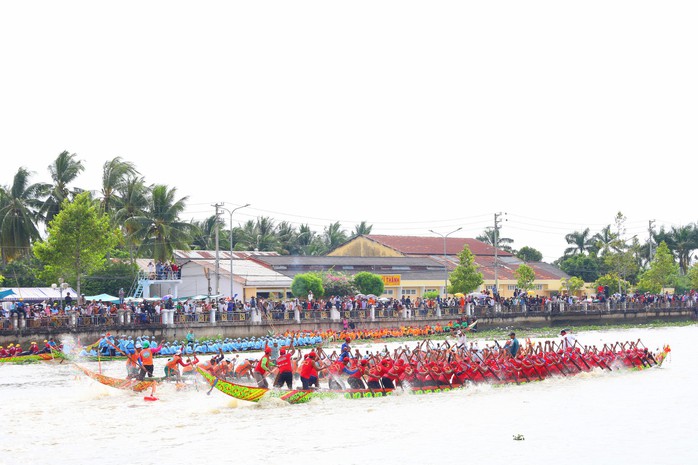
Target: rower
(263,367)
(172,366)
(568,340)
(285,374)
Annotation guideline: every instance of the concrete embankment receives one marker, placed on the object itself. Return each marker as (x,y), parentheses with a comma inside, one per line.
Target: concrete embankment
(242,329)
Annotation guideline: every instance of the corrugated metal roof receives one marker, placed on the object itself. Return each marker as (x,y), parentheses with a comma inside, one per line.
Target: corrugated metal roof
(419,245)
(248,272)
(222,254)
(302,260)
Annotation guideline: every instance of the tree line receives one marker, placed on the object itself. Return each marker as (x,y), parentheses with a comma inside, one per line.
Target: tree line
(144,220)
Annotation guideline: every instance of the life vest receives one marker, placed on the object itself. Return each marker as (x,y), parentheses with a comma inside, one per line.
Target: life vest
(146,357)
(259,368)
(284,363)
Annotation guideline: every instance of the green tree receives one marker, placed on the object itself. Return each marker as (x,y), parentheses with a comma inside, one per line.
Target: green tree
(305,282)
(529,254)
(334,235)
(362,229)
(19,216)
(693,276)
(525,277)
(573,284)
(580,241)
(488,237)
(64,170)
(465,277)
(603,241)
(159,231)
(614,282)
(369,283)
(204,234)
(79,238)
(115,174)
(587,267)
(662,271)
(112,276)
(24,271)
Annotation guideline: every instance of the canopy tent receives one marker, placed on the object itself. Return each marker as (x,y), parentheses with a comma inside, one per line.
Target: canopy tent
(38,294)
(103,297)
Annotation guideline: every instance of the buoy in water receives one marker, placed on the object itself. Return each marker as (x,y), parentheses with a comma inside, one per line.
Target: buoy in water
(150,398)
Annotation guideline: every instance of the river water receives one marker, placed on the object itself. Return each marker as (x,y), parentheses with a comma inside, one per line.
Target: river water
(51,414)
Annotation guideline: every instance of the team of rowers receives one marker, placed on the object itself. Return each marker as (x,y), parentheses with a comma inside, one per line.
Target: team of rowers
(427,364)
(15,350)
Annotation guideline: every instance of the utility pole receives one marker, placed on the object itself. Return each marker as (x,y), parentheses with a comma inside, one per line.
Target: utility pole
(651,230)
(497,223)
(218,257)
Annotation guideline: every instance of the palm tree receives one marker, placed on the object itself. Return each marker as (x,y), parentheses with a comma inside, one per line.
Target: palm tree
(603,241)
(288,238)
(132,200)
(684,241)
(19,215)
(503,243)
(308,241)
(115,174)
(362,229)
(581,242)
(334,235)
(160,231)
(204,233)
(64,169)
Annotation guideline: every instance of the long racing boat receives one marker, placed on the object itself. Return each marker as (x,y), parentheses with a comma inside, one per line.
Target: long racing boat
(535,367)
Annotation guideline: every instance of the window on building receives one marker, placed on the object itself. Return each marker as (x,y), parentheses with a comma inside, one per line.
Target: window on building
(409,292)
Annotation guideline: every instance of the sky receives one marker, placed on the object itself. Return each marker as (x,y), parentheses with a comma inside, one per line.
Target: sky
(411,116)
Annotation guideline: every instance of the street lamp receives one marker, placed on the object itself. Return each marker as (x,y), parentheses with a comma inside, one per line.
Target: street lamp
(445,267)
(61,286)
(230,212)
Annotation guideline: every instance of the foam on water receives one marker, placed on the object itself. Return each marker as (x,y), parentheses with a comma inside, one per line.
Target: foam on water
(599,417)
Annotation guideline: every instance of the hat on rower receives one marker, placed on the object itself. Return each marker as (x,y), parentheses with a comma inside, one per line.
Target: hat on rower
(312,355)
(282,352)
(347,339)
(267,350)
(138,345)
(179,352)
(564,331)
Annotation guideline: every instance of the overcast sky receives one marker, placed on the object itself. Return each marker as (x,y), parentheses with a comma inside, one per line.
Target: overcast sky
(409,115)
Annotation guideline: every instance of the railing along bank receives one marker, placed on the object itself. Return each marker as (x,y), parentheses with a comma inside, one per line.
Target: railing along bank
(126,318)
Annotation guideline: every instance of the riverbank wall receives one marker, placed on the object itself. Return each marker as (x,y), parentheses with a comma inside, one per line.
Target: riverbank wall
(246,329)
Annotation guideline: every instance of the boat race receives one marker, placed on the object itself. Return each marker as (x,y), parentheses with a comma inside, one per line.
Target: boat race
(356,233)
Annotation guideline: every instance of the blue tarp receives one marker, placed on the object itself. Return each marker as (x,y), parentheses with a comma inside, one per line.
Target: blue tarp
(5,293)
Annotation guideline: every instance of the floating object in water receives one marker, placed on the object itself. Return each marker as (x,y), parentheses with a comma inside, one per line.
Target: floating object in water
(519,437)
(150,398)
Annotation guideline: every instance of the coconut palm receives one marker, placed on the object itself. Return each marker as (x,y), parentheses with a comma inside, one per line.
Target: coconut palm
(159,231)
(581,242)
(19,215)
(362,229)
(603,241)
(488,237)
(64,170)
(204,233)
(684,240)
(288,238)
(115,174)
(334,235)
